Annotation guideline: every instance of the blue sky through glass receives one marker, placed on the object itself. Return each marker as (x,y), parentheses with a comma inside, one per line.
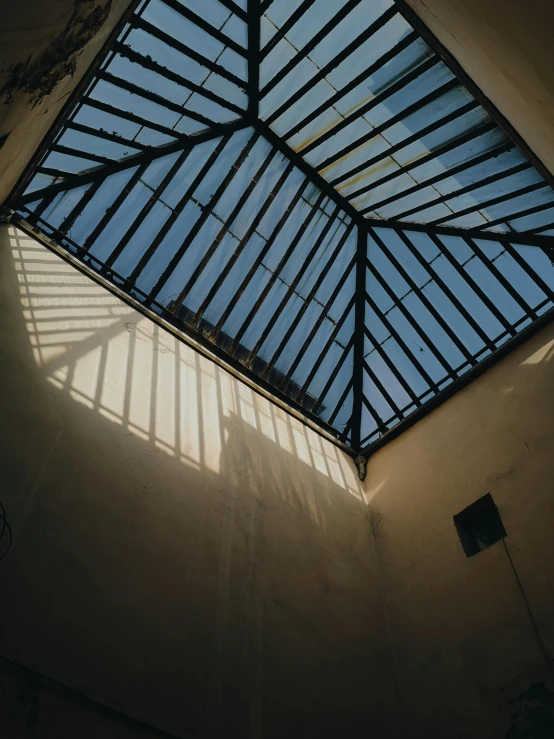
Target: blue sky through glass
(361,244)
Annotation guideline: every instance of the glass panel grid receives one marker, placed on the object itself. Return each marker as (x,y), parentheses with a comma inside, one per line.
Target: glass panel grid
(309,190)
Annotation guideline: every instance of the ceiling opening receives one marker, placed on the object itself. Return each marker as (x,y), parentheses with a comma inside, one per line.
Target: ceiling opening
(309,190)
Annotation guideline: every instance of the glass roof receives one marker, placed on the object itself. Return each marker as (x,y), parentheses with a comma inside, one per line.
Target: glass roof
(308,190)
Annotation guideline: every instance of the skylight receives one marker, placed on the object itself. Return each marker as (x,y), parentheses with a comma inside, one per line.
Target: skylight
(308,190)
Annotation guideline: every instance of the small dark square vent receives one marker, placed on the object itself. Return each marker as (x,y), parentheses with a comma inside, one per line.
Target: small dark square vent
(479,525)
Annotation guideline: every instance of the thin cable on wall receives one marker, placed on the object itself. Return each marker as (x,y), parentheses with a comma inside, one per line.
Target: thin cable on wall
(5,533)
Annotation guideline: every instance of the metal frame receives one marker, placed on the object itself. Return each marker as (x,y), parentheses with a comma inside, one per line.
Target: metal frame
(195,339)
(369,229)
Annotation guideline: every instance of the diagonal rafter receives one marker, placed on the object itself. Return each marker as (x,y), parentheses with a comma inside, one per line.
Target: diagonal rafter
(302,232)
(254,58)
(359,339)
(99,174)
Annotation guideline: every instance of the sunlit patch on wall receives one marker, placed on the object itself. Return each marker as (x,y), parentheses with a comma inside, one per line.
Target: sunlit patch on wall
(544,354)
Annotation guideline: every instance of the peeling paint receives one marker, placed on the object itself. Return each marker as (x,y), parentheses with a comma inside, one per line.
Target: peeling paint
(39,75)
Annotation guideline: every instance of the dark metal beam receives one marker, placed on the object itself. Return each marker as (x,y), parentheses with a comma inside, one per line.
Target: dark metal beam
(373,413)
(541,284)
(422,297)
(435,277)
(159,314)
(504,198)
(69,151)
(106,136)
(452,63)
(241,246)
(439,151)
(427,341)
(66,225)
(381,425)
(178,209)
(286,27)
(306,169)
(234,8)
(259,259)
(317,324)
(330,102)
(115,205)
(332,220)
(308,300)
(51,172)
(254,58)
(312,43)
(154,98)
(219,69)
(464,274)
(210,250)
(334,63)
(516,215)
(284,259)
(430,128)
(491,266)
(334,374)
(126,115)
(359,339)
(343,436)
(205,214)
(463,167)
(462,381)
(378,99)
(92,175)
(323,353)
(205,26)
(463,191)
(149,63)
(396,336)
(144,212)
(526,239)
(538,231)
(378,348)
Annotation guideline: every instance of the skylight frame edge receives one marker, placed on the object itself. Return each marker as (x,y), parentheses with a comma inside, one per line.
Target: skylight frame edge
(197,342)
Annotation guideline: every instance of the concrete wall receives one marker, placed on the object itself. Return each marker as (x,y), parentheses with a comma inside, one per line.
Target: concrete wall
(184,551)
(506,48)
(466,653)
(45,48)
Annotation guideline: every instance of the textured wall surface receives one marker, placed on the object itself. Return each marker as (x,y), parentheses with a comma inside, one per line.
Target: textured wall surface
(45,48)
(184,551)
(469,663)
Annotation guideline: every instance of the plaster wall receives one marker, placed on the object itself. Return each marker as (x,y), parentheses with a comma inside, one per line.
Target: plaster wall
(468,660)
(506,48)
(45,48)
(184,551)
